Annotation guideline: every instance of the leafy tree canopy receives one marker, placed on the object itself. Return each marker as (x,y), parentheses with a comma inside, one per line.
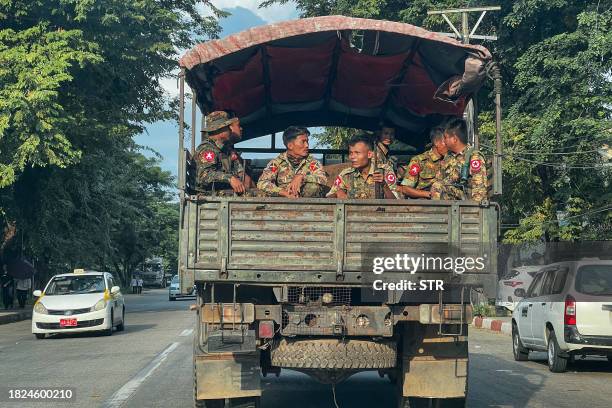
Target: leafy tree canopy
(556,63)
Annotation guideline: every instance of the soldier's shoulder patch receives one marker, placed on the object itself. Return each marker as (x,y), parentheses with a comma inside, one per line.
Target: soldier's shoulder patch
(414,169)
(390,178)
(313,166)
(234,155)
(338,181)
(207,155)
(475,165)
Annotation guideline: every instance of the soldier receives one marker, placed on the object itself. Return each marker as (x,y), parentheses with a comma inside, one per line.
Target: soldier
(358,181)
(218,166)
(294,173)
(463,174)
(384,139)
(421,172)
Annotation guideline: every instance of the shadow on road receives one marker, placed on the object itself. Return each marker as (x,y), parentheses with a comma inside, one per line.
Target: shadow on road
(129,328)
(508,384)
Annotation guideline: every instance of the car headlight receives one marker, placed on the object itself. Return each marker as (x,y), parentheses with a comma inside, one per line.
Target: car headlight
(99,306)
(40,308)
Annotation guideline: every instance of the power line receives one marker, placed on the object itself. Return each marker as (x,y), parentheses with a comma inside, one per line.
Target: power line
(594,211)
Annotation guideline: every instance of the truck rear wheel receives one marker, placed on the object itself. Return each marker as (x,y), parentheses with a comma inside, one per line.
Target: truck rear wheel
(334,354)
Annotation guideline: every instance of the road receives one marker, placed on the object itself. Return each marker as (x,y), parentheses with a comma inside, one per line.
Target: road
(150,365)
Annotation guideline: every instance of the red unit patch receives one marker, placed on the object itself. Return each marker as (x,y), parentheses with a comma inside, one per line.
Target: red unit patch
(415,169)
(390,177)
(208,155)
(475,165)
(338,181)
(313,166)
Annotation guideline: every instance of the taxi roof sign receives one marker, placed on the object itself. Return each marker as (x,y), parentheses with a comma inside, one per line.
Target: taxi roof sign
(78,271)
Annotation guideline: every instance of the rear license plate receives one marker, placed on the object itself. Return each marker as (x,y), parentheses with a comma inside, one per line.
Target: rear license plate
(68,322)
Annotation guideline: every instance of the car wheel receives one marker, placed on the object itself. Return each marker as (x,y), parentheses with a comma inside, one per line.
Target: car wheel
(556,363)
(40,336)
(518,350)
(121,326)
(109,331)
(172,299)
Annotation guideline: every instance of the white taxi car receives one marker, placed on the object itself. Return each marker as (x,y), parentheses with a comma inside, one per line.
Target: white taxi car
(566,312)
(78,302)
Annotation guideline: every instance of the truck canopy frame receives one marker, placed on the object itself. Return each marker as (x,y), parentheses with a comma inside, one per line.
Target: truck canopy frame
(336,71)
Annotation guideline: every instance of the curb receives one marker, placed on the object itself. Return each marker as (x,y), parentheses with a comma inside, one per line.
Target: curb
(15,316)
(499,326)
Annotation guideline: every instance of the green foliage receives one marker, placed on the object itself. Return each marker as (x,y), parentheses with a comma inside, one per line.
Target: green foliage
(556,63)
(79,79)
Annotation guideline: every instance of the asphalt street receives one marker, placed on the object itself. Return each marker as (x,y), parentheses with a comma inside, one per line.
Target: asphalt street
(150,365)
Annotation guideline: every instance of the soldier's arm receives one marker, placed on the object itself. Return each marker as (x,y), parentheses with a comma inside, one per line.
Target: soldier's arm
(338,187)
(315,174)
(390,185)
(208,174)
(267,181)
(411,180)
(478,179)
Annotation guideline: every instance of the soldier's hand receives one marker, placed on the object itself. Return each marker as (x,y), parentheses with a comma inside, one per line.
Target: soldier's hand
(341,194)
(378,177)
(296,184)
(237,185)
(286,193)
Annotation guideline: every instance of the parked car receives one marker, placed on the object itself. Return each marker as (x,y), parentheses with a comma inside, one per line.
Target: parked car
(515,278)
(567,311)
(78,302)
(174,290)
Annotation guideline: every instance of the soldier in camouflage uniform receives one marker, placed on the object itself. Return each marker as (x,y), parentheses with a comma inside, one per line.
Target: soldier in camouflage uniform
(384,139)
(358,181)
(294,173)
(218,166)
(421,172)
(461,162)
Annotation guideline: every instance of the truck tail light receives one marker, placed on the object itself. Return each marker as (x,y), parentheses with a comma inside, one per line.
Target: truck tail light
(266,329)
(570,311)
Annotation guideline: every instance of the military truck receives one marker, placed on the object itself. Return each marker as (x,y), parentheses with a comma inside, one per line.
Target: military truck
(287,284)
(152,272)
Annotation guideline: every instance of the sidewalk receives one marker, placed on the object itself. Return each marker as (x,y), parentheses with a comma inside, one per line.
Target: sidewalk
(501,325)
(15,315)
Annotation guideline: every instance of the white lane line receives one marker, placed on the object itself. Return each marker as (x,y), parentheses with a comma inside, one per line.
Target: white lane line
(125,392)
(186,332)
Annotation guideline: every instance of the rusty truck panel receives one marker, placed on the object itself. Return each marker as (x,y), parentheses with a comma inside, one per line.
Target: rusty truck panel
(323,241)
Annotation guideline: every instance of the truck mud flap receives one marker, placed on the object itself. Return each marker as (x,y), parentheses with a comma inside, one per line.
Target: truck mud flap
(434,366)
(227,375)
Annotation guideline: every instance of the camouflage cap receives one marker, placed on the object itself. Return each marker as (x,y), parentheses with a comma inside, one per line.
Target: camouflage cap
(217,120)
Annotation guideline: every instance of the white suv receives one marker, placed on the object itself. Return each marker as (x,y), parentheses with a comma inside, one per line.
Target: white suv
(566,311)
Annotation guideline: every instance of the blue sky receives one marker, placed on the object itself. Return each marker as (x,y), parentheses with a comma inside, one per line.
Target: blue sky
(162,137)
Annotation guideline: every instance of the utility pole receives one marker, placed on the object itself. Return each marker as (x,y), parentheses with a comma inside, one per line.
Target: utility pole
(465,35)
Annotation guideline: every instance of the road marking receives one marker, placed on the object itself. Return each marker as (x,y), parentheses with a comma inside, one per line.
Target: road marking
(125,392)
(186,332)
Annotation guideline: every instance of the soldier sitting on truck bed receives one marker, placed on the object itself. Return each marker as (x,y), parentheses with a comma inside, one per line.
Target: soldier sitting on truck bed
(384,139)
(421,172)
(217,168)
(463,174)
(294,173)
(359,180)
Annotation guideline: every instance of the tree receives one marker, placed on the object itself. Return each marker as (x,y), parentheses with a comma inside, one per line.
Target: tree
(556,63)
(79,79)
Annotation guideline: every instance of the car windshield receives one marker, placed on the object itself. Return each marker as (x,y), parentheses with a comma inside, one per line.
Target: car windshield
(175,279)
(594,280)
(73,285)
